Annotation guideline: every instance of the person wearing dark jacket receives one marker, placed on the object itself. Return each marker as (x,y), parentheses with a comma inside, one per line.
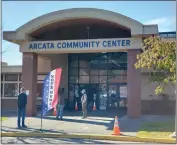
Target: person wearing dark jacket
(22,102)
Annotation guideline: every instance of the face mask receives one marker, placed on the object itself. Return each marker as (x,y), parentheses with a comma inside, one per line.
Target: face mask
(27,92)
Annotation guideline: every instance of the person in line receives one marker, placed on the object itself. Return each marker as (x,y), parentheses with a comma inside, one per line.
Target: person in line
(60,104)
(84,103)
(22,102)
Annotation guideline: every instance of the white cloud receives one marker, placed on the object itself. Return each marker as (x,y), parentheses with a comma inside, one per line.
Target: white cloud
(18,61)
(156,21)
(164,23)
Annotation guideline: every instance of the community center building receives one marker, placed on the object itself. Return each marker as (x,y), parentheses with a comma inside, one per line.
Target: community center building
(96,50)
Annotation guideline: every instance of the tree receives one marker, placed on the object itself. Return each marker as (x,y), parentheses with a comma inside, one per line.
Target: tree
(7,47)
(159,56)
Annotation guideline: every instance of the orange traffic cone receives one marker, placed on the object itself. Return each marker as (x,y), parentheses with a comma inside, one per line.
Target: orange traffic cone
(54,112)
(116,130)
(76,107)
(94,107)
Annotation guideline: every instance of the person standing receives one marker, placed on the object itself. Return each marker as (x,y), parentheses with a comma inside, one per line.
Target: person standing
(84,103)
(22,102)
(60,104)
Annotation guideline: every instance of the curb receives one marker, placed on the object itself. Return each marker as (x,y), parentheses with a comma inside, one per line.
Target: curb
(91,136)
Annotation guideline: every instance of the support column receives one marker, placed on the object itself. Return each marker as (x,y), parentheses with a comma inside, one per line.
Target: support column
(134,86)
(61,60)
(29,81)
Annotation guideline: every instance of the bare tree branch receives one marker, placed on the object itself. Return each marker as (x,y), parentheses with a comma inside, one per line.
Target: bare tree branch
(9,46)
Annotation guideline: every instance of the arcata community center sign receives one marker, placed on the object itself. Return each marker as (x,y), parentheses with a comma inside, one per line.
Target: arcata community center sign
(69,44)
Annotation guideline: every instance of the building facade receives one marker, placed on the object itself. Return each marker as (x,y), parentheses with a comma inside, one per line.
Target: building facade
(96,50)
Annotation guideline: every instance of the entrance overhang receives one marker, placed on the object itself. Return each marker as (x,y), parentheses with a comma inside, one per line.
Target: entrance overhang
(22,33)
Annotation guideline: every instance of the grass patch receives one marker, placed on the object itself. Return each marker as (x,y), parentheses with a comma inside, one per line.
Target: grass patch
(156,129)
(3,118)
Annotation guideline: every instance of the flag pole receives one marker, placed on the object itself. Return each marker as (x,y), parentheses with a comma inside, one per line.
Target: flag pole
(41,114)
(42,105)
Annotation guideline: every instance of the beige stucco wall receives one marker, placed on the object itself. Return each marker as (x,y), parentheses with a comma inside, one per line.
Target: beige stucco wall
(147,89)
(11,69)
(44,64)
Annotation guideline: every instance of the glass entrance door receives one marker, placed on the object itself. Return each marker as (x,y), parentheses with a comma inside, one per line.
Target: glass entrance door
(103,97)
(123,95)
(113,95)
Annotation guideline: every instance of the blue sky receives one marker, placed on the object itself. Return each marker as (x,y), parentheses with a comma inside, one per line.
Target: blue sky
(15,14)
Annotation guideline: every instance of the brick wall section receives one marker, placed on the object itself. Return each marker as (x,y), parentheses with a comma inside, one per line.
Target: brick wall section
(29,81)
(133,86)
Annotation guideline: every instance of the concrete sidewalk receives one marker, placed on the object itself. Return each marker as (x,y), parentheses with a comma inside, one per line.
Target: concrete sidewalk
(69,124)
(96,123)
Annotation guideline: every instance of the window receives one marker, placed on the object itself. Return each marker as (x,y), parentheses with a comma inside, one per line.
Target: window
(73,57)
(10,89)
(73,79)
(114,72)
(83,63)
(103,62)
(103,89)
(20,86)
(94,79)
(71,90)
(103,72)
(98,69)
(84,71)
(39,90)
(11,77)
(2,77)
(94,72)
(73,71)
(1,89)
(117,79)
(118,56)
(84,79)
(20,77)
(103,79)
(73,64)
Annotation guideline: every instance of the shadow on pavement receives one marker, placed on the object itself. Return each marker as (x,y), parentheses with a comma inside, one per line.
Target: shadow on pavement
(99,113)
(28,140)
(109,124)
(101,116)
(9,113)
(29,129)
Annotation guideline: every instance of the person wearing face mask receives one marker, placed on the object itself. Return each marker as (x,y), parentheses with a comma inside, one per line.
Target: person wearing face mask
(21,104)
(84,103)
